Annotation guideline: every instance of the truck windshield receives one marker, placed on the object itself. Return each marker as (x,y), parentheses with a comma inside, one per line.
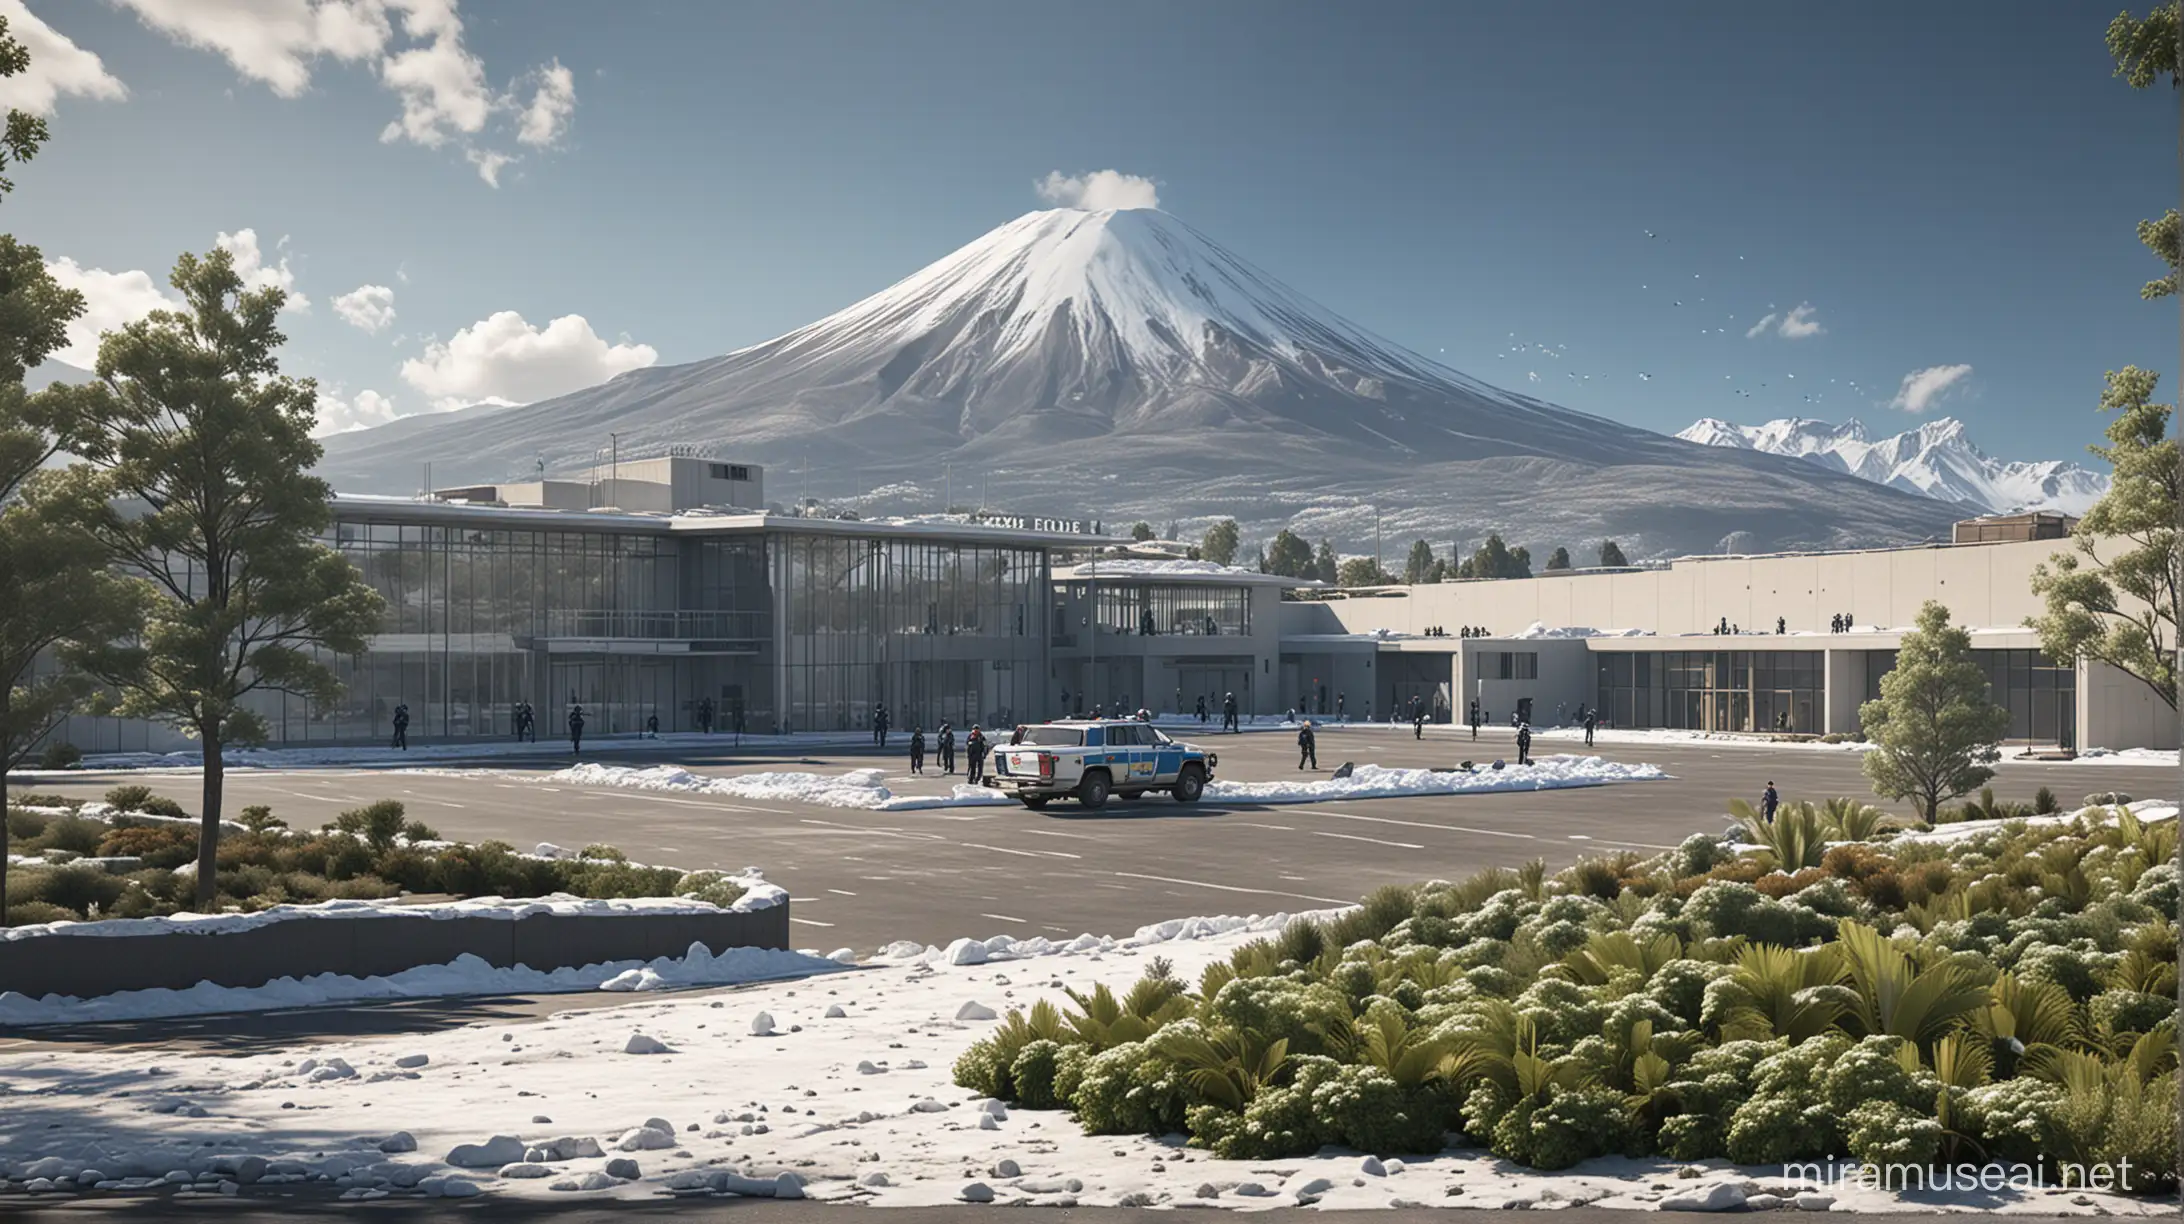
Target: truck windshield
(1053,737)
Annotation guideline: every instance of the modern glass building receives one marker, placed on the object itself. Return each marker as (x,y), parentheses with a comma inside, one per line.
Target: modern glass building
(790,623)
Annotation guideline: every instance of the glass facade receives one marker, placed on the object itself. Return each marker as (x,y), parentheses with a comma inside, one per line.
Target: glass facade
(934,630)
(1712,690)
(2041,696)
(1172,608)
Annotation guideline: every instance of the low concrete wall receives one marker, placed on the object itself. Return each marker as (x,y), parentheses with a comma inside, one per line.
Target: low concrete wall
(367,946)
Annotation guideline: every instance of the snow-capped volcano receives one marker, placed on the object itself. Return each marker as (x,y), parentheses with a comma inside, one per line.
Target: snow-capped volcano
(1938,460)
(1122,364)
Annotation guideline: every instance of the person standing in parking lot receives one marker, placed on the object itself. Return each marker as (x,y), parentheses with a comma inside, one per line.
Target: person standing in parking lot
(576,729)
(974,756)
(1524,743)
(947,748)
(1228,713)
(917,750)
(1592,718)
(1307,746)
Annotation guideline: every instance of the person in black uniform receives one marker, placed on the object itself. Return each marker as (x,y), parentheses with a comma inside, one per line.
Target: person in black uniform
(974,756)
(1592,718)
(917,750)
(401,726)
(576,729)
(879,725)
(947,748)
(1307,746)
(1228,713)
(1524,743)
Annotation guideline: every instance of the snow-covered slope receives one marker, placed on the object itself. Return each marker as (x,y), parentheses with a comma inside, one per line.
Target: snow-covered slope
(1120,363)
(1938,460)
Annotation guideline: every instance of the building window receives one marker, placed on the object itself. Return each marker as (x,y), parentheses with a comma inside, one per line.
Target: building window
(1513,665)
(728,471)
(1207,610)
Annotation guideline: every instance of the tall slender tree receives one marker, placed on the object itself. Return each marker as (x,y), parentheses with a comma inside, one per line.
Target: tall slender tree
(1221,543)
(1934,727)
(1289,555)
(1611,554)
(1559,559)
(52,588)
(1324,566)
(1419,566)
(198,486)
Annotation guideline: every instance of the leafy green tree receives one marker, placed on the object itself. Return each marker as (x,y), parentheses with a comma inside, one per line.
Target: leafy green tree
(1934,728)
(1324,566)
(1559,559)
(198,486)
(2116,599)
(52,588)
(1361,571)
(1141,531)
(1419,566)
(1289,555)
(1611,554)
(1221,543)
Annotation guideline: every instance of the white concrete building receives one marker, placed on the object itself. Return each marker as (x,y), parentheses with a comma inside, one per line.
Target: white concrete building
(1668,665)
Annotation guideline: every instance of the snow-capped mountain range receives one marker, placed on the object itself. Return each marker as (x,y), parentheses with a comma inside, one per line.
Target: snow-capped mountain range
(1938,460)
(1120,364)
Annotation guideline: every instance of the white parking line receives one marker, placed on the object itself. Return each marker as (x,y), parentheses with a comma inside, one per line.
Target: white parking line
(1268,892)
(810,922)
(842,892)
(1376,841)
(1024,853)
(1001,918)
(1415,824)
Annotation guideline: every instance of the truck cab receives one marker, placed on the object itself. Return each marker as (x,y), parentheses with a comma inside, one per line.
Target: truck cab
(1093,759)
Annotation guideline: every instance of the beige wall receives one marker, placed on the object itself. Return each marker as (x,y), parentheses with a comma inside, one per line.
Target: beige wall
(1983,584)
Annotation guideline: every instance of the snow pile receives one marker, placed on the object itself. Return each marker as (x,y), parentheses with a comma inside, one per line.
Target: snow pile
(968,951)
(760,895)
(2155,757)
(465,975)
(2148,811)
(1380,782)
(859,788)
(1538,630)
(191,759)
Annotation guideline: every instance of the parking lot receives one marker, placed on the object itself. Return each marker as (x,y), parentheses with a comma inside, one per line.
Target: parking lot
(861,879)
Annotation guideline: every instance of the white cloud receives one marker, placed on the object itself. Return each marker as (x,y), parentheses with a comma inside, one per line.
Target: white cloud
(552,102)
(112,300)
(1922,389)
(370,307)
(489,164)
(337,415)
(58,67)
(445,95)
(505,359)
(1795,324)
(272,41)
(441,84)
(256,273)
(1101,189)
(1799,323)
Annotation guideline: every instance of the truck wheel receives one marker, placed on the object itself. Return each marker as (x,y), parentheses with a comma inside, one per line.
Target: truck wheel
(1190,784)
(1035,802)
(1092,790)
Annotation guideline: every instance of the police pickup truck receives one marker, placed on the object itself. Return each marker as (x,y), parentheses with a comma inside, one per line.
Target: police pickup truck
(1090,759)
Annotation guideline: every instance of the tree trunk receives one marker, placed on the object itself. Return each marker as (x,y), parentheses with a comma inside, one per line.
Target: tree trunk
(208,836)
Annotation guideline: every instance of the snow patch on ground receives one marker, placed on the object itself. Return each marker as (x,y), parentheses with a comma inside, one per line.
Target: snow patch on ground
(1380,782)
(859,788)
(844,1095)
(758,895)
(2148,811)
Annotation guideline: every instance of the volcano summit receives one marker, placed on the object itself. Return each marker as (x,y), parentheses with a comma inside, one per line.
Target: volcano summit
(1122,365)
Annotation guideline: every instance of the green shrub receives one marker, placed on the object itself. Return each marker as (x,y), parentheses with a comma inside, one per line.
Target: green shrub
(128,798)
(160,805)
(1569,1126)
(1032,1075)
(167,846)
(2044,803)
(714,888)
(83,891)
(60,754)
(35,913)
(1883,1134)
(608,853)
(258,818)
(2131,1011)
(24,826)
(76,834)
(418,831)
(1278,1122)
(1368,1110)
(1129,1090)
(378,824)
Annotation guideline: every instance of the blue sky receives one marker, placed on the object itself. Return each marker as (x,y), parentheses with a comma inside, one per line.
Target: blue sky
(1940,185)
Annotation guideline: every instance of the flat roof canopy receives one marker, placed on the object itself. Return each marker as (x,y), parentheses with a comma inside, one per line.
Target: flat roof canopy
(353,506)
